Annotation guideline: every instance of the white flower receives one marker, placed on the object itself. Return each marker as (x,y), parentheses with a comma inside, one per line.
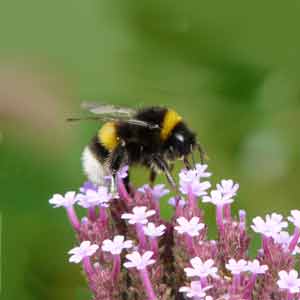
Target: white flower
(140,215)
(157,191)
(136,260)
(151,230)
(228,188)
(191,227)
(236,267)
(68,200)
(271,227)
(116,245)
(284,239)
(201,269)
(256,268)
(217,199)
(201,171)
(84,250)
(93,198)
(195,290)
(289,281)
(295,218)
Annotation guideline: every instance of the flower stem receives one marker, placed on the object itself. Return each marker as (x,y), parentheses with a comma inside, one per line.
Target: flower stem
(73,217)
(203,281)
(250,286)
(191,199)
(219,214)
(116,267)
(236,282)
(141,235)
(189,243)
(154,245)
(88,268)
(92,213)
(147,284)
(103,215)
(227,212)
(122,190)
(294,240)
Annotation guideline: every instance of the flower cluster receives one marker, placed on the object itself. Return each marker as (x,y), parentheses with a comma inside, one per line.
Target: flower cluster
(128,251)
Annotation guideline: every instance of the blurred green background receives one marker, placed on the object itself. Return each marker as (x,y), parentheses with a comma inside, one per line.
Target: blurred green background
(231,68)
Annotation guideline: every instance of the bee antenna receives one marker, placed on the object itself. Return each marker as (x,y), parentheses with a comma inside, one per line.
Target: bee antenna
(82,119)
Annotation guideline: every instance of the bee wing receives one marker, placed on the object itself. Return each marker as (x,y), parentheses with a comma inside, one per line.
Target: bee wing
(108,109)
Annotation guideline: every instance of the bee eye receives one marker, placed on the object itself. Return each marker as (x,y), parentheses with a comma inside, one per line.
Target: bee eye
(179,137)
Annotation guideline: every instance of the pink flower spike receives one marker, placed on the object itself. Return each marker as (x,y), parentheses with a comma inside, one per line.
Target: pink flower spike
(190,227)
(195,290)
(289,281)
(116,245)
(140,215)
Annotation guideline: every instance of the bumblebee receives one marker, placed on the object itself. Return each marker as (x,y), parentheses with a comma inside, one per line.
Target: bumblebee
(154,137)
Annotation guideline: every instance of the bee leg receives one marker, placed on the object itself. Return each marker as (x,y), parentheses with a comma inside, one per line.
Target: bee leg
(187,163)
(152,177)
(201,152)
(163,166)
(193,158)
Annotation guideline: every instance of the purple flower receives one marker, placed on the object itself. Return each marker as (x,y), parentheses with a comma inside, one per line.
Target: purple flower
(172,202)
(217,199)
(157,191)
(228,188)
(271,227)
(123,172)
(136,260)
(85,249)
(289,281)
(201,171)
(237,267)
(88,185)
(94,198)
(154,231)
(201,268)
(195,290)
(139,215)
(190,227)
(66,201)
(116,245)
(256,268)
(295,217)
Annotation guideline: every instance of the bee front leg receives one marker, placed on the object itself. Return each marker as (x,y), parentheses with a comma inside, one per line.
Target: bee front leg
(162,165)
(152,177)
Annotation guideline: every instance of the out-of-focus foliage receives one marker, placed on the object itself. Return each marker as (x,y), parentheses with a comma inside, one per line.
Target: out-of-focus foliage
(231,68)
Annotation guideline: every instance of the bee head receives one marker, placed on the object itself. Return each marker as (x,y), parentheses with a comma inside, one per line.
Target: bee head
(180,142)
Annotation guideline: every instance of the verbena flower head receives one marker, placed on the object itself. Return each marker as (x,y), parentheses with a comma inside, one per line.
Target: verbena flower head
(228,188)
(217,198)
(190,227)
(157,191)
(154,231)
(295,217)
(85,249)
(201,268)
(195,290)
(271,227)
(116,245)
(67,200)
(92,198)
(289,281)
(139,215)
(139,261)
(256,268)
(237,267)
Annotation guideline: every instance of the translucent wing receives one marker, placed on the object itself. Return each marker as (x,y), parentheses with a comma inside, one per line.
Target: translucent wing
(108,109)
(107,112)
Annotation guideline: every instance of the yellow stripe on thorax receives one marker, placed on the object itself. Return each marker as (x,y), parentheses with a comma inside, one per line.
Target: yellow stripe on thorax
(171,119)
(107,136)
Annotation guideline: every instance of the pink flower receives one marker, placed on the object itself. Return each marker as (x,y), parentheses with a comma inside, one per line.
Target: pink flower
(84,250)
(295,217)
(228,188)
(140,215)
(136,260)
(201,268)
(190,227)
(195,290)
(289,281)
(66,201)
(217,199)
(157,191)
(237,267)
(116,245)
